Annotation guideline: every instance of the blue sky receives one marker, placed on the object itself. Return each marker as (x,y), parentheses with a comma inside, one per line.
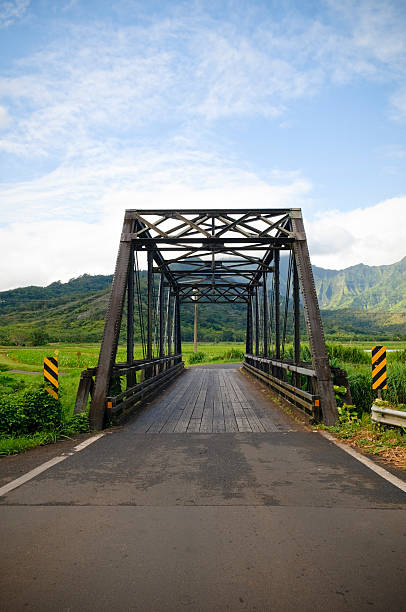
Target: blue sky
(113,105)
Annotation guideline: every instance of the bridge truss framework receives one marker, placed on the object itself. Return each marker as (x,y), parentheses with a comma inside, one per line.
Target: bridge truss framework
(209,256)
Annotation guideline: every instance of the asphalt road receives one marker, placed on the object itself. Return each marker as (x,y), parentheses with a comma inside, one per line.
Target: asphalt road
(277,521)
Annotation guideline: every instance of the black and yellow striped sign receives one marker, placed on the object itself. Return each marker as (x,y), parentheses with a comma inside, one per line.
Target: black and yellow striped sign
(51,375)
(379,374)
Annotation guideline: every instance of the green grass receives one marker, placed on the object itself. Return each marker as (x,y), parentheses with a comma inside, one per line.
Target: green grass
(71,364)
(10,445)
(73,358)
(70,359)
(374,439)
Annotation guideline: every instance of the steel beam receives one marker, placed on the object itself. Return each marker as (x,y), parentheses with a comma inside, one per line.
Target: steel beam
(256,322)
(265,316)
(277,303)
(178,334)
(150,287)
(161,315)
(248,338)
(313,321)
(111,333)
(169,321)
(130,317)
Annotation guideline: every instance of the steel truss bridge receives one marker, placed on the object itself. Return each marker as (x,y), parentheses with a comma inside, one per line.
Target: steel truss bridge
(210,256)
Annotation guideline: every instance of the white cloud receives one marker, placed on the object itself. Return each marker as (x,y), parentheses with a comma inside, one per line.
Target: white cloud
(373,235)
(12,11)
(73,217)
(4,118)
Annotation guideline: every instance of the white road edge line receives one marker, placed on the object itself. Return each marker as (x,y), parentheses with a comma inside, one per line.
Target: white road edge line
(397,482)
(45,466)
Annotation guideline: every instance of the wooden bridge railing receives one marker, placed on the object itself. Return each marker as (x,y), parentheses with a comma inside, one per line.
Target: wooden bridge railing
(144,376)
(296,383)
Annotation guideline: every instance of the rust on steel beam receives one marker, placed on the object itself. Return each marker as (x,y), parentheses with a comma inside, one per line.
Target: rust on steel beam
(313,321)
(109,343)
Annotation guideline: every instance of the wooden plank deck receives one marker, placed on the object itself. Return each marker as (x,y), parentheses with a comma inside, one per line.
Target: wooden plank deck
(217,400)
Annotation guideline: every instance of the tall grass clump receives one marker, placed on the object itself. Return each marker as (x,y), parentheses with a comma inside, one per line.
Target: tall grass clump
(396,391)
(349,354)
(397,357)
(360,383)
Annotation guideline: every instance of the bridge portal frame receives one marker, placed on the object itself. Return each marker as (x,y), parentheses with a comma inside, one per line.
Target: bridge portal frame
(213,257)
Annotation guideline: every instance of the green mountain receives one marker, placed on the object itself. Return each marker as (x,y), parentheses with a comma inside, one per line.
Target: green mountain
(361,287)
(361,301)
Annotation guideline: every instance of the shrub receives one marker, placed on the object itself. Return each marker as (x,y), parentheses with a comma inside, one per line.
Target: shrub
(77,423)
(198,357)
(233,353)
(28,411)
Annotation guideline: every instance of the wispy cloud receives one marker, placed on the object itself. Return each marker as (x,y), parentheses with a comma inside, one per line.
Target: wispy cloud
(189,68)
(12,11)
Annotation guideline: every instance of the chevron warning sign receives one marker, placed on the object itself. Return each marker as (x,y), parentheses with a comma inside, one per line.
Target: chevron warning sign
(51,375)
(379,374)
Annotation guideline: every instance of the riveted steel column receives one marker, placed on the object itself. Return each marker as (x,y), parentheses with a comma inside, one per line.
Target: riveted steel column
(130,319)
(256,322)
(150,286)
(313,321)
(296,314)
(178,336)
(296,321)
(169,321)
(248,337)
(161,316)
(111,333)
(276,257)
(265,316)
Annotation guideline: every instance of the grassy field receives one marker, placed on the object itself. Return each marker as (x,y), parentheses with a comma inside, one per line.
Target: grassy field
(81,356)
(73,358)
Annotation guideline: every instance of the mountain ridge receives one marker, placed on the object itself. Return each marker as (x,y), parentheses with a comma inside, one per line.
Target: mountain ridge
(360,301)
(359,287)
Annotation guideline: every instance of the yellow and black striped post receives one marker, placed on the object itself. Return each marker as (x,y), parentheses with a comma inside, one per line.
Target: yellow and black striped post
(379,374)
(51,375)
